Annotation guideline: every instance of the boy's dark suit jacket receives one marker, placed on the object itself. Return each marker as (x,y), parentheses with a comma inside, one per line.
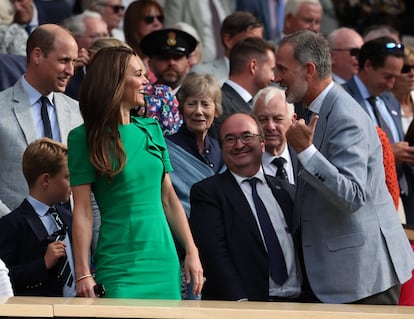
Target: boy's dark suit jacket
(23,243)
(232,251)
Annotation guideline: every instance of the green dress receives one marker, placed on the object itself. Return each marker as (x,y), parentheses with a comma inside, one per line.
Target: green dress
(135,256)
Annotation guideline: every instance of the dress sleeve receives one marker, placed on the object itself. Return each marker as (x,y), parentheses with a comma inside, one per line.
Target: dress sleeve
(81,169)
(156,137)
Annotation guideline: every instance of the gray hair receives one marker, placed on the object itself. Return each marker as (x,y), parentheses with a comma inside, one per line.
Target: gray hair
(6,12)
(292,6)
(75,23)
(309,46)
(269,93)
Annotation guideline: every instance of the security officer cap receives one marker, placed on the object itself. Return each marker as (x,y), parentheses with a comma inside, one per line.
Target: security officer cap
(168,41)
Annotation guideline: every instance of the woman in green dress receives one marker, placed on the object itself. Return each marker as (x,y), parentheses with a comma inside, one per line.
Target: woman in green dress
(123,160)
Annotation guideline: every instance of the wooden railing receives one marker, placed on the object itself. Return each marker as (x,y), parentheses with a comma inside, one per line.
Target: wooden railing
(132,308)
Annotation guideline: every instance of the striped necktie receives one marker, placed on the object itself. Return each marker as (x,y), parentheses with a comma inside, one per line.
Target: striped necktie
(65,273)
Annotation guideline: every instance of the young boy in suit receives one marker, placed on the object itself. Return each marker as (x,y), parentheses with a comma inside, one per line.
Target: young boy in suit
(34,238)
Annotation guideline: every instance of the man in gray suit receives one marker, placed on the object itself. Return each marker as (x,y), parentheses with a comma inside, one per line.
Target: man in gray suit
(51,54)
(354,247)
(380,61)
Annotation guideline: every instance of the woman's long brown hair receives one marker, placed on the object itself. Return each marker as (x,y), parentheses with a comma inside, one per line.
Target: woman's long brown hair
(100,102)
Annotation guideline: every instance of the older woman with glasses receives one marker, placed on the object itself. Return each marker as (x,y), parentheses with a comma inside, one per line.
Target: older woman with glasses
(141,18)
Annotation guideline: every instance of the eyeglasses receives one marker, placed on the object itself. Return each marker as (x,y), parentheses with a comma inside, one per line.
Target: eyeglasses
(246,138)
(393,47)
(150,19)
(352,51)
(115,7)
(407,68)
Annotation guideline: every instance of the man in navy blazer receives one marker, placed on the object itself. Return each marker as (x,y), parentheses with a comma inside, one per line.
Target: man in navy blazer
(252,62)
(225,224)
(354,247)
(275,116)
(29,242)
(380,60)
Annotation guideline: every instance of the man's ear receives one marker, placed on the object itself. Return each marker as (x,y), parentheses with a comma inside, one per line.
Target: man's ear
(253,66)
(310,70)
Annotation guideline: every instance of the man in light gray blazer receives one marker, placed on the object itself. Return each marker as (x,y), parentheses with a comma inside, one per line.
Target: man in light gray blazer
(51,53)
(354,247)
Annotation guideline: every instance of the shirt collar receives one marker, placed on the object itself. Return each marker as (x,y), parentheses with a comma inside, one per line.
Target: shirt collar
(40,208)
(246,96)
(33,94)
(267,158)
(362,87)
(316,104)
(259,175)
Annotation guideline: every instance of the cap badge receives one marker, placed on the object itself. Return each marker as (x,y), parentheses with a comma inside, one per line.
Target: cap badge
(171,40)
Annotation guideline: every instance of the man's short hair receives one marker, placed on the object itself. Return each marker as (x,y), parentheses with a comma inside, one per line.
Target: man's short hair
(238,22)
(247,49)
(377,51)
(309,46)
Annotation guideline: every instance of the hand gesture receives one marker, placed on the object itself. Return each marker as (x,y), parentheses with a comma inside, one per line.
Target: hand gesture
(299,135)
(54,251)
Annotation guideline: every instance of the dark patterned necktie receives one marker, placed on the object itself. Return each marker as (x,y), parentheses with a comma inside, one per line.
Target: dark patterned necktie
(65,273)
(380,120)
(45,117)
(279,162)
(277,263)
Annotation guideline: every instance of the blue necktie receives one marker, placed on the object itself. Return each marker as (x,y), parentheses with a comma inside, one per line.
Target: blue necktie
(45,117)
(277,263)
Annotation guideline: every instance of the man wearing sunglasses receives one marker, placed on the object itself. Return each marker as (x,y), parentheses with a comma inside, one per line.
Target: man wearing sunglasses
(112,12)
(380,61)
(345,44)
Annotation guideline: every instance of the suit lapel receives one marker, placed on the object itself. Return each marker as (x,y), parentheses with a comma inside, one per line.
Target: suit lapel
(34,221)
(63,116)
(392,106)
(239,206)
(236,100)
(22,111)
(324,111)
(284,193)
(294,161)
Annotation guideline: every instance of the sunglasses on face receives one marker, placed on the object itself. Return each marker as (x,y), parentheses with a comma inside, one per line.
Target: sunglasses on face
(394,47)
(116,8)
(407,68)
(150,19)
(352,51)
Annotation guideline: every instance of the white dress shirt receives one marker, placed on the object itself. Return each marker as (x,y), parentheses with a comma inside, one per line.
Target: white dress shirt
(271,169)
(291,288)
(34,97)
